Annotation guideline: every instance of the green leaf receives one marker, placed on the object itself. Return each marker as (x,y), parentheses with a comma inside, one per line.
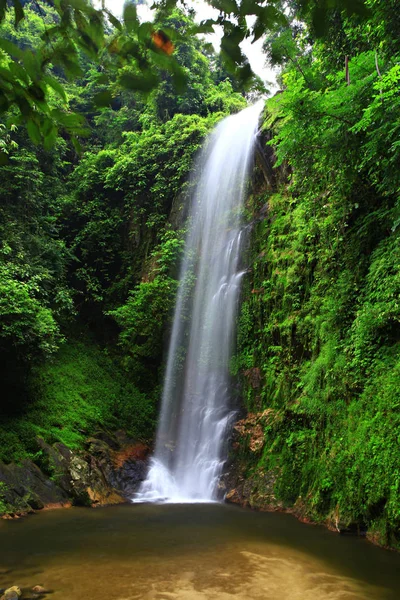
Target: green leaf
(270,16)
(7,76)
(230,44)
(47,125)
(103,99)
(4,102)
(160,59)
(226,6)
(248,7)
(56,86)
(34,131)
(72,67)
(32,65)
(245,75)
(19,72)
(258,30)
(114,21)
(203,27)
(179,77)
(130,17)
(50,137)
(208,47)
(137,83)
(24,106)
(11,48)
(51,32)
(36,92)
(19,12)
(50,133)
(72,122)
(144,31)
(77,145)
(130,48)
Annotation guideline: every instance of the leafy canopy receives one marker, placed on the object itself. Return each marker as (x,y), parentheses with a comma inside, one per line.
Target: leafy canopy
(129,54)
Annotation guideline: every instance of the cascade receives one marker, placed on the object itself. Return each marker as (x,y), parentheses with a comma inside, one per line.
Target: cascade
(196,408)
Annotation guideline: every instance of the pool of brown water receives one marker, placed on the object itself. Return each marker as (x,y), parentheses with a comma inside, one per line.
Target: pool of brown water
(190,552)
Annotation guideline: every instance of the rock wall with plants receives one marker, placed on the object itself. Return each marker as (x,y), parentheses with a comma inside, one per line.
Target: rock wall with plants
(319,337)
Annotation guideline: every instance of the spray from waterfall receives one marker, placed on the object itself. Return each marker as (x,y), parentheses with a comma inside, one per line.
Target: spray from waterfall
(196,408)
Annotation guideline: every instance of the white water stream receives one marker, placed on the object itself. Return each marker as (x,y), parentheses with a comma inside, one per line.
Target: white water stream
(196,408)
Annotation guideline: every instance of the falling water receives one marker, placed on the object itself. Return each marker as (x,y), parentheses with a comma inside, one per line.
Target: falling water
(196,409)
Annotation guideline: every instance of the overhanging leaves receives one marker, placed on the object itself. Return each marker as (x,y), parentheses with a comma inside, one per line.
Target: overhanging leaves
(130,17)
(136,82)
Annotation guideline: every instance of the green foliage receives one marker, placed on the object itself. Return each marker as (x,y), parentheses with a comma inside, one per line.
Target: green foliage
(322,326)
(222,99)
(34,292)
(23,320)
(82,388)
(121,199)
(133,55)
(33,84)
(144,316)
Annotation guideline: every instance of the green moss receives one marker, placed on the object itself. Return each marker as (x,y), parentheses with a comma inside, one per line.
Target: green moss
(82,388)
(4,508)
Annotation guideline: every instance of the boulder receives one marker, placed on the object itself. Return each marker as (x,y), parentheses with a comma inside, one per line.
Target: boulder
(25,488)
(13,593)
(39,589)
(58,457)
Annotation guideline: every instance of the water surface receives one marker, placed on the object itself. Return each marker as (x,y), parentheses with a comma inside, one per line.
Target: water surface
(190,552)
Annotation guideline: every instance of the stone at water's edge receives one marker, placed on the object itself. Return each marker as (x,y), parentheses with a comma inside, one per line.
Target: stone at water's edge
(25,488)
(13,593)
(120,462)
(39,589)
(109,471)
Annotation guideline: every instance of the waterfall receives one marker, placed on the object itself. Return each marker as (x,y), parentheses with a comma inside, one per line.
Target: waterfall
(196,409)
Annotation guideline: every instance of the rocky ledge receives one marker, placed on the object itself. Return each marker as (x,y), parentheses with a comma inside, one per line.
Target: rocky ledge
(108,471)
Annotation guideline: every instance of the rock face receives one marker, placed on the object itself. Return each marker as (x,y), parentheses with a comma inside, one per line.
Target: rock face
(108,471)
(253,488)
